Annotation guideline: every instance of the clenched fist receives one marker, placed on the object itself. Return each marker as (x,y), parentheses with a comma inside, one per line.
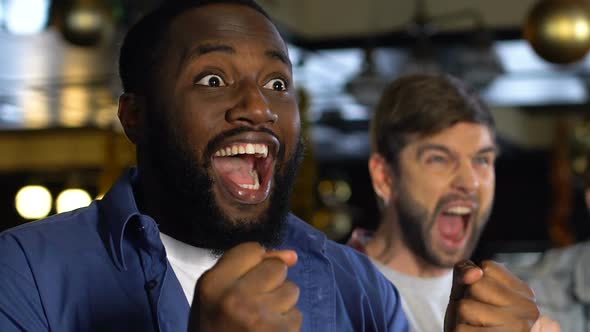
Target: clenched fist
(491,298)
(247,290)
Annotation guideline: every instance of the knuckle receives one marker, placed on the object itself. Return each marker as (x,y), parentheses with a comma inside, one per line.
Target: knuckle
(477,288)
(275,266)
(530,309)
(526,325)
(243,311)
(254,322)
(535,313)
(460,328)
(203,286)
(205,279)
(463,308)
(232,302)
(292,289)
(253,247)
(529,291)
(488,265)
(297,319)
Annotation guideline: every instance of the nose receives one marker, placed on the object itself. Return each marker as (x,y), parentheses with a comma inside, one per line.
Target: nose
(466,179)
(252,106)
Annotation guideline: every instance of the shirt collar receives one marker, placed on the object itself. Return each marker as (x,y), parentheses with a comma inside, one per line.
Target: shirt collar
(302,236)
(117,208)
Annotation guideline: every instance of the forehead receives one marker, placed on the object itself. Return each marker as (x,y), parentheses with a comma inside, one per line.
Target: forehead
(461,137)
(231,23)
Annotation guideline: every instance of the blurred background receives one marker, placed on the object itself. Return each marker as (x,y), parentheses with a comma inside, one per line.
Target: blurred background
(61,145)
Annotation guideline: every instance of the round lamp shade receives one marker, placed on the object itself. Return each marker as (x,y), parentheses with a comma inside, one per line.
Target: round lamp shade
(559,30)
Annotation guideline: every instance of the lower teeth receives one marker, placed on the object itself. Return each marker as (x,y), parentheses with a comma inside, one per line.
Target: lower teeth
(256,184)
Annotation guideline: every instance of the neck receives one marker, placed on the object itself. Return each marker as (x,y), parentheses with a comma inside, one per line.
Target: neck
(388,247)
(151,201)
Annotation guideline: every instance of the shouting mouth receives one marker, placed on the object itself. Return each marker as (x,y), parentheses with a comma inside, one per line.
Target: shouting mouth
(453,224)
(244,169)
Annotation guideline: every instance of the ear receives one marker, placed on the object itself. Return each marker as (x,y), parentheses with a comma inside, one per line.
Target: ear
(382,177)
(131,116)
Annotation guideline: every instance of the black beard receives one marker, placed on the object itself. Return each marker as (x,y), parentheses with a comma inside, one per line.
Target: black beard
(416,226)
(188,203)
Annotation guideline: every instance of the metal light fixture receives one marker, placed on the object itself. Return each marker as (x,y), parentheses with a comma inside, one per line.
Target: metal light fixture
(82,22)
(559,30)
(422,54)
(474,61)
(366,87)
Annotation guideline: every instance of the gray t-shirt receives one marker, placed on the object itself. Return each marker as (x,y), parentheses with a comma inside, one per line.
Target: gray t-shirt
(424,300)
(560,279)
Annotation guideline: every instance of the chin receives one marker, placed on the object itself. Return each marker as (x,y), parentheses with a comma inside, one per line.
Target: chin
(242,213)
(447,259)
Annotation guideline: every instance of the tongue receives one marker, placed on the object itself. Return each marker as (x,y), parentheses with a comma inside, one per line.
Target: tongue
(236,169)
(450,227)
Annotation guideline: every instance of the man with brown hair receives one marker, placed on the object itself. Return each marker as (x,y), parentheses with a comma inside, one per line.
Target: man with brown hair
(432,169)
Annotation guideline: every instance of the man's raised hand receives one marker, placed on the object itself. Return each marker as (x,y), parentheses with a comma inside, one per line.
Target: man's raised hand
(247,290)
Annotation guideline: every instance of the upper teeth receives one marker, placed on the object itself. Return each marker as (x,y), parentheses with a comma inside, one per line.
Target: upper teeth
(260,150)
(460,210)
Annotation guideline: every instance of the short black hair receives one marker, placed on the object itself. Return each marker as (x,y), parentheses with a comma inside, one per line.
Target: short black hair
(422,105)
(143,45)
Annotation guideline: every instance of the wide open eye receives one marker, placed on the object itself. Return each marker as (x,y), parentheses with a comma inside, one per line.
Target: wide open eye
(211,80)
(276,84)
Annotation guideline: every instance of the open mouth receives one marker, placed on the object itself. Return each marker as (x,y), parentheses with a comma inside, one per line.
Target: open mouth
(454,223)
(245,170)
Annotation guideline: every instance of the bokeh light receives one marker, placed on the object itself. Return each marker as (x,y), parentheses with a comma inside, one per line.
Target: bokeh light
(33,202)
(71,199)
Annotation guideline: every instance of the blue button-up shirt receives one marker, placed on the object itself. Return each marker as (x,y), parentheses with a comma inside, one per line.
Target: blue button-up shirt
(104,268)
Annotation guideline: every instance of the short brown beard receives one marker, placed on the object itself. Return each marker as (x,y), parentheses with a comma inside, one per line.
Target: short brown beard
(416,225)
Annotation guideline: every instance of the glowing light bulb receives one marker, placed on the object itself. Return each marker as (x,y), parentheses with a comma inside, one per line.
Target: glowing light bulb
(33,202)
(71,199)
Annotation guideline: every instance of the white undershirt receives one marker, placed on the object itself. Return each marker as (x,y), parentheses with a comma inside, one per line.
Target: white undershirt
(424,300)
(188,263)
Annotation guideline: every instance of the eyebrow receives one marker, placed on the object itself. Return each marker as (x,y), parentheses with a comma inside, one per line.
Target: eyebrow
(206,48)
(492,149)
(280,55)
(202,49)
(426,147)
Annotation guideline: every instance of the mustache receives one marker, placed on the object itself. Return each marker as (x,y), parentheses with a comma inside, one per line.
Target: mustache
(456,197)
(214,143)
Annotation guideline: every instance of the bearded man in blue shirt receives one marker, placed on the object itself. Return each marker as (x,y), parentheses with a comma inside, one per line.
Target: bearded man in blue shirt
(198,236)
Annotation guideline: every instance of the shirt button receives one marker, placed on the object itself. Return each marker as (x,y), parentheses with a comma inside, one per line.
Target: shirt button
(151,284)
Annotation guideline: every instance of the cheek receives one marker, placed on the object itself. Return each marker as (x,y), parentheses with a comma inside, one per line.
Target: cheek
(420,190)
(487,189)
(289,122)
(196,131)
(486,197)
(428,189)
